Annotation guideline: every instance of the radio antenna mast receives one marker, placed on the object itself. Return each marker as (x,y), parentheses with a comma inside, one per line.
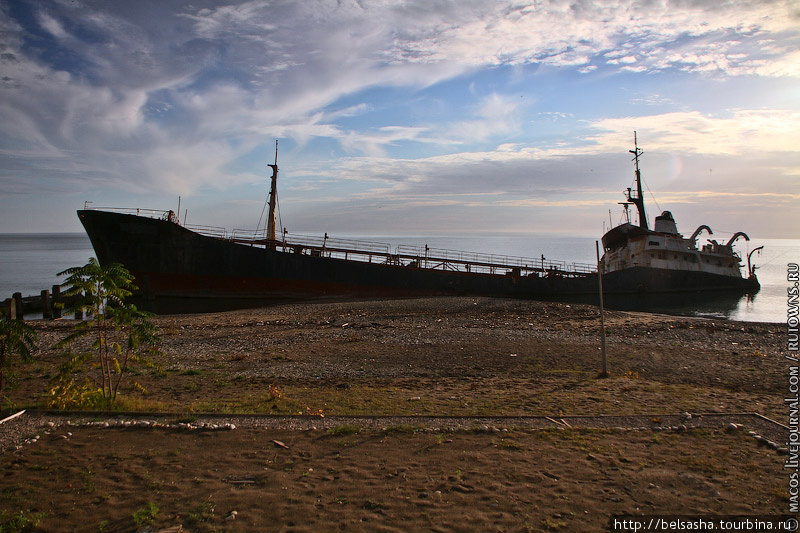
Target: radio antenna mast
(638,200)
(273,197)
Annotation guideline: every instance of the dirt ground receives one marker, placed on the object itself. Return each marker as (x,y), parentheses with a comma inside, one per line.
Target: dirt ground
(465,357)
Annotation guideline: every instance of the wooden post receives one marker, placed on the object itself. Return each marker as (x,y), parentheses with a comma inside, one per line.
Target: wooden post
(56,299)
(12,308)
(604,372)
(18,305)
(47,310)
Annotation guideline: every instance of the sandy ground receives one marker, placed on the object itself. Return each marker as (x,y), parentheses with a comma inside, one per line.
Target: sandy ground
(464,357)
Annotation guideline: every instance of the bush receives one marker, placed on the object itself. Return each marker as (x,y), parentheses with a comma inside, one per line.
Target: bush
(120,335)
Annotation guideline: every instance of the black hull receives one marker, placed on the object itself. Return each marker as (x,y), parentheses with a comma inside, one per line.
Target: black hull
(171,261)
(647,280)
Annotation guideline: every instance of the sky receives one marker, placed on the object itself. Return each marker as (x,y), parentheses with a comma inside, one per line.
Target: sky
(413,117)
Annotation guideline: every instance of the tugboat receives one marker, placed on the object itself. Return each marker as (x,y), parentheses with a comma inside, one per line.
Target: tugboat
(637,259)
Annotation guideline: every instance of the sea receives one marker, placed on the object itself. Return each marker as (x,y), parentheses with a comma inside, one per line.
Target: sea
(31,262)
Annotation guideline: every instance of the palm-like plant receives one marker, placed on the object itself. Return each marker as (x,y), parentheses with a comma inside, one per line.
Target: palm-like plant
(96,286)
(120,333)
(16,337)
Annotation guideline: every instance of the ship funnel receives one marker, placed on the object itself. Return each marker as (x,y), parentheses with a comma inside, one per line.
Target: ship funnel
(666,224)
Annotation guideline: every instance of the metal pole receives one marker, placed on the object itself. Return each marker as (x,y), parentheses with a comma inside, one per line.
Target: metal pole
(273,197)
(604,372)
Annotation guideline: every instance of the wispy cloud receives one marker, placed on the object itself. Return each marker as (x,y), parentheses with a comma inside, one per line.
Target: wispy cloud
(153,97)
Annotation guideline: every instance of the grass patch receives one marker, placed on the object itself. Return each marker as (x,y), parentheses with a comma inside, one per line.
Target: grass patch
(145,515)
(340,431)
(130,403)
(19,522)
(509,445)
(202,513)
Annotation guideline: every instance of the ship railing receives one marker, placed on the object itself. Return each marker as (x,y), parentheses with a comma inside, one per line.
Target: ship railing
(210,231)
(404,255)
(348,249)
(246,235)
(490,263)
(138,211)
(331,244)
(324,246)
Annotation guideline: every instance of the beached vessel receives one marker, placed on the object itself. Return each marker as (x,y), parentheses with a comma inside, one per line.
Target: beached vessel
(170,259)
(663,260)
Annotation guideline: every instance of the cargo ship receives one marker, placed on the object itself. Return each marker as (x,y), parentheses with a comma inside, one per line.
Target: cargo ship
(174,260)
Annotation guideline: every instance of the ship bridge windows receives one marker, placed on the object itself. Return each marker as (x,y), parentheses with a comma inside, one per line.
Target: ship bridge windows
(654,243)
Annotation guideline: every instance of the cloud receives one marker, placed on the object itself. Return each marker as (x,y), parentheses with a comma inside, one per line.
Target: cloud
(742,132)
(147,96)
(53,26)
(589,171)
(494,115)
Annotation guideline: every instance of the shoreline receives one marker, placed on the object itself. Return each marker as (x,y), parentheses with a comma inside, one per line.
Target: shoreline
(177,307)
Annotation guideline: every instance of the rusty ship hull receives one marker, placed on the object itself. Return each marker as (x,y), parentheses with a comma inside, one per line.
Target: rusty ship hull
(169,260)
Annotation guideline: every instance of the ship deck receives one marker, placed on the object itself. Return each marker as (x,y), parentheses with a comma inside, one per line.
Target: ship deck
(423,257)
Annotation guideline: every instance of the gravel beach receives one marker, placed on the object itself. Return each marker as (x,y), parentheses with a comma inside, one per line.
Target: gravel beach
(441,414)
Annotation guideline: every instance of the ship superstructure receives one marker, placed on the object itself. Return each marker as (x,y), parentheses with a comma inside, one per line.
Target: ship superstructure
(638,250)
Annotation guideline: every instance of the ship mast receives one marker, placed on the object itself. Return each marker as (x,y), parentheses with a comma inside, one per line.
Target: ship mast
(638,200)
(273,197)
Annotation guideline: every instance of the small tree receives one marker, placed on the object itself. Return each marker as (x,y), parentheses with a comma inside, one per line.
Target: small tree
(16,337)
(119,334)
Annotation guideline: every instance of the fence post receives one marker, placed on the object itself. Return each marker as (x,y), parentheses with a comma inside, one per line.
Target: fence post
(47,310)
(18,305)
(56,299)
